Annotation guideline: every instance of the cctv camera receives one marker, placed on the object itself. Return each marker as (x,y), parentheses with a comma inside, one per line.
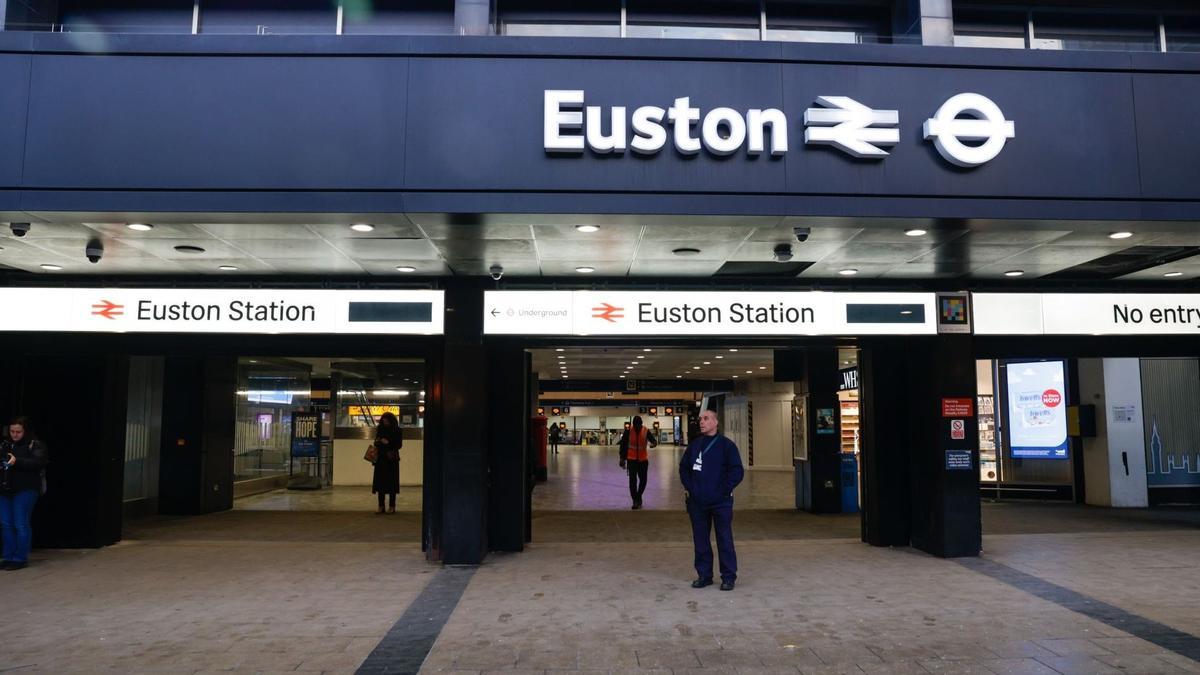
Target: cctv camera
(801,233)
(94,251)
(782,252)
(496,271)
(20,229)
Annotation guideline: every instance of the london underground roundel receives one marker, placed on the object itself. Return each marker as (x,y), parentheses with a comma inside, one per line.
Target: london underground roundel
(1051,398)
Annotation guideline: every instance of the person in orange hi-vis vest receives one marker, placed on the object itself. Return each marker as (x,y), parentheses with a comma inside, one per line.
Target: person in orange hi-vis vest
(635,445)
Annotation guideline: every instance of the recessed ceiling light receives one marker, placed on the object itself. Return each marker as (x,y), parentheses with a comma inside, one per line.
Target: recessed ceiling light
(585,270)
(708,363)
(678,377)
(228,268)
(647,349)
(1173,274)
(762,367)
(188,248)
(695,367)
(735,377)
(848,272)
(253,361)
(641,357)
(406,269)
(718,357)
(749,372)
(565,377)
(733,350)
(559,349)
(621,376)
(140,227)
(52,268)
(362,227)
(915,232)
(1014,273)
(561,356)
(587,228)
(686,251)
(1120,235)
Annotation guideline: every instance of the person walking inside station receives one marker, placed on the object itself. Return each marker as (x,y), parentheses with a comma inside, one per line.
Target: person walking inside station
(634,447)
(555,438)
(22,461)
(385,479)
(710,469)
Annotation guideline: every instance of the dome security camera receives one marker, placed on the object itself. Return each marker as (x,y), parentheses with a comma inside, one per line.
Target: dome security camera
(782,252)
(19,229)
(496,271)
(801,233)
(94,251)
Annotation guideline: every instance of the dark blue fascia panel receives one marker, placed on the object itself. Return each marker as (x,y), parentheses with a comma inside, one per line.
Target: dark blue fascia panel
(14,110)
(264,123)
(359,124)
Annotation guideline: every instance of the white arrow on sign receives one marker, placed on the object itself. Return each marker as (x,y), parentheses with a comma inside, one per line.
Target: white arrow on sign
(851,127)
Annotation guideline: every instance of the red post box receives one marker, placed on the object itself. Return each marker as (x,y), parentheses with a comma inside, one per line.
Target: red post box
(538,429)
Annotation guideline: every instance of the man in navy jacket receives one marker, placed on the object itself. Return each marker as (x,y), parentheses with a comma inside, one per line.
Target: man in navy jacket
(710,469)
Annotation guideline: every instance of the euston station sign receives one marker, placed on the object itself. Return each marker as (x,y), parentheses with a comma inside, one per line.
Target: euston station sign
(842,122)
(130,310)
(704,313)
(1086,314)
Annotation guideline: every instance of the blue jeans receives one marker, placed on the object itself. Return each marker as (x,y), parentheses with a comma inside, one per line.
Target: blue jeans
(16,510)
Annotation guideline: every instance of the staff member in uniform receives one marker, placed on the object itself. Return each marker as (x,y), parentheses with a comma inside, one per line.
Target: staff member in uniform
(635,446)
(710,469)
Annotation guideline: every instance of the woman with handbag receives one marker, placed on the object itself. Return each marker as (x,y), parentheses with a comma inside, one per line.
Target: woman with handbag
(386,479)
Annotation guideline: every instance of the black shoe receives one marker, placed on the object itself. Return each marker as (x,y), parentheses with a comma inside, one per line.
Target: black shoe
(14,566)
(701,583)
(727,585)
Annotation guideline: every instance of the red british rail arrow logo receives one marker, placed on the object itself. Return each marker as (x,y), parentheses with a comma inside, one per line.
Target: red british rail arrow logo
(608,312)
(108,310)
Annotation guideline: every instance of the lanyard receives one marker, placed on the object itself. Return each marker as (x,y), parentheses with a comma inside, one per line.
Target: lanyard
(700,457)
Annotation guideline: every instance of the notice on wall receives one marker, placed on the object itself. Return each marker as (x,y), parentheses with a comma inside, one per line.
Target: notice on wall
(958,407)
(1037,410)
(959,460)
(958,430)
(1124,414)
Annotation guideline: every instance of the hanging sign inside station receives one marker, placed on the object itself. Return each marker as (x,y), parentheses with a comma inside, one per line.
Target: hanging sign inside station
(224,310)
(1086,314)
(707,313)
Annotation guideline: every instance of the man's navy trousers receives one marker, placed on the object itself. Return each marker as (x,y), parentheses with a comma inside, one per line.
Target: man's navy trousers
(718,516)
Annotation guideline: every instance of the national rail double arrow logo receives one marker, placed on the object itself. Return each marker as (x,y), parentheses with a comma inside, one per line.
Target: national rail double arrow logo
(608,312)
(108,310)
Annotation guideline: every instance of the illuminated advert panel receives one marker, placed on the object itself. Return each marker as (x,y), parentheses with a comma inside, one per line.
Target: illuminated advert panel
(1037,410)
(707,313)
(252,311)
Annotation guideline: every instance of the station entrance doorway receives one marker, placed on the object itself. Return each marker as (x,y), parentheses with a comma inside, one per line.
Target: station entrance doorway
(587,397)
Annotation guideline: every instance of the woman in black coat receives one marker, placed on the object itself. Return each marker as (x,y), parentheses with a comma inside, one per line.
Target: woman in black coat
(388,441)
(22,460)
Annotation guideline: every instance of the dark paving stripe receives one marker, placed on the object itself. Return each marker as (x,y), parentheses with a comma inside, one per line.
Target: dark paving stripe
(406,645)
(1184,644)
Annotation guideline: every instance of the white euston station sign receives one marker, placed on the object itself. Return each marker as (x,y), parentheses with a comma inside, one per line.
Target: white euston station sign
(569,127)
(1086,314)
(130,310)
(707,313)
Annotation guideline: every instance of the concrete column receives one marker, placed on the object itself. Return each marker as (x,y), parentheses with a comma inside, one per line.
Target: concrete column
(927,22)
(473,17)
(884,415)
(198,422)
(510,447)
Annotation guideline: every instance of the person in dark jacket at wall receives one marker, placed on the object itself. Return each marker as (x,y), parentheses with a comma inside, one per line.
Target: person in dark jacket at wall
(386,479)
(22,460)
(710,470)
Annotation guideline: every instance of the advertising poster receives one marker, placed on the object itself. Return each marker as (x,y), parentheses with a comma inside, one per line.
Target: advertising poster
(306,435)
(1037,409)
(825,422)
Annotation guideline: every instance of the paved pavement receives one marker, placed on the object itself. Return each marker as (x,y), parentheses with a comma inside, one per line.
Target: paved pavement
(1060,589)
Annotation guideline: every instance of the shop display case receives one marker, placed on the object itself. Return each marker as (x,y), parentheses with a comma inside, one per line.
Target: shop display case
(986,418)
(850,427)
